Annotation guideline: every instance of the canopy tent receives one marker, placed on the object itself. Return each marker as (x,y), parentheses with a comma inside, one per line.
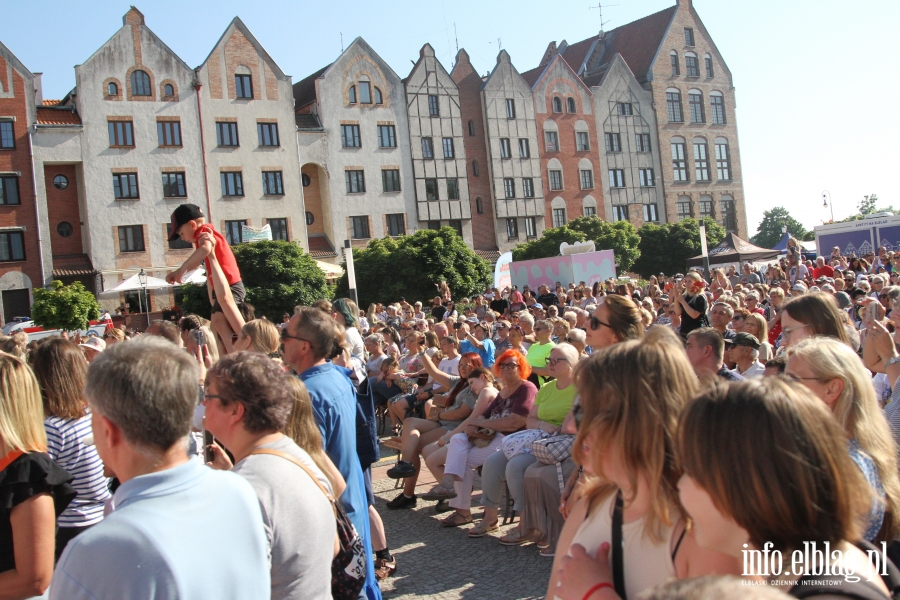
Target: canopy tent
(133,284)
(808,248)
(331,271)
(734,250)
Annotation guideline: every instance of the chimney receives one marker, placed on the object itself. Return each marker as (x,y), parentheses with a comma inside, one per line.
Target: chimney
(133,17)
(38,90)
(685,3)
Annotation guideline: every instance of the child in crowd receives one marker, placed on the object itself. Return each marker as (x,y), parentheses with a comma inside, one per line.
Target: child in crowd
(190,225)
(394,378)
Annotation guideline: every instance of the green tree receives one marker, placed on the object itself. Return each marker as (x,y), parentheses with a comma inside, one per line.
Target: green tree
(867,206)
(67,307)
(769,232)
(411,265)
(621,237)
(666,248)
(277,276)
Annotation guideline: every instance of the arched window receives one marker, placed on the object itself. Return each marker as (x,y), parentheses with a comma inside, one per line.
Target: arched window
(471,128)
(140,84)
(673,56)
(479,207)
(570,105)
(168,90)
(717,104)
(557,104)
(475,168)
(112,89)
(673,106)
(709,66)
(723,159)
(729,217)
(378,97)
(695,104)
(352,94)
(691,65)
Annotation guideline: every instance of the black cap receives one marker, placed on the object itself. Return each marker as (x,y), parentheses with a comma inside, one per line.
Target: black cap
(181,215)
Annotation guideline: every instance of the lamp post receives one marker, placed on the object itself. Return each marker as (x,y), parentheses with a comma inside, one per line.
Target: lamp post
(142,278)
(826,201)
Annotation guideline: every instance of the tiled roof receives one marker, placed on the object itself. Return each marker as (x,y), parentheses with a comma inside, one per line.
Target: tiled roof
(305,89)
(320,247)
(491,256)
(72,265)
(51,102)
(532,76)
(65,115)
(308,122)
(638,42)
(576,53)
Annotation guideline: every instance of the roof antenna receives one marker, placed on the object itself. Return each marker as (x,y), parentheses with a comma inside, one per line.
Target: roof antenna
(342,42)
(600,7)
(499,45)
(456,38)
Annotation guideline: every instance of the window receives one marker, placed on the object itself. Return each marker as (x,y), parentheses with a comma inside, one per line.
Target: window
(227,133)
(456,225)
(168,133)
(684,210)
(625,109)
(471,128)
(434,107)
(617,178)
(9,190)
(272,183)
(691,65)
(378,98)
(651,213)
(234,232)
(177,243)
(613,142)
(509,187)
(121,134)
(688,36)
(356,183)
(431,189)
(717,104)
(350,136)
(452,189)
(673,106)
(530,227)
(701,161)
(140,84)
(679,164)
(559,217)
(434,225)
(528,187)
(448,147)
(268,134)
(351,94)
(723,161)
(112,89)
(620,212)
(646,177)
(173,185)
(590,211)
(427,148)
(587,179)
(674,59)
(125,186)
(551,138)
(232,183)
(359,228)
(524,148)
(729,219)
(390,180)
(396,225)
(365,92)
(7,137)
(706,211)
(695,103)
(60,182)
(582,141)
(512,229)
(475,168)
(642,142)
(510,108)
(279,229)
(556,182)
(387,136)
(505,149)
(168,90)
(479,206)
(570,105)
(557,104)
(243,86)
(131,238)
(709,67)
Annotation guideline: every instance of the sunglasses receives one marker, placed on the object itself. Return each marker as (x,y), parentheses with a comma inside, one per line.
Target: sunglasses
(285,336)
(595,323)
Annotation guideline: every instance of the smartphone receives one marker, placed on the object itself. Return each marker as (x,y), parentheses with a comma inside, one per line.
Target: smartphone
(871,312)
(198,336)
(457,325)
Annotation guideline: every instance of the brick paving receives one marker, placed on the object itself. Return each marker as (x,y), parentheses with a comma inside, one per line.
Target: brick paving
(443,563)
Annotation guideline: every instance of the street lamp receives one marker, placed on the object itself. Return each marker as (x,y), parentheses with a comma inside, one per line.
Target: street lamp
(826,201)
(142,278)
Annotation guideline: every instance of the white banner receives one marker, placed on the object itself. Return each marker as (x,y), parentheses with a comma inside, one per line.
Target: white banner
(250,234)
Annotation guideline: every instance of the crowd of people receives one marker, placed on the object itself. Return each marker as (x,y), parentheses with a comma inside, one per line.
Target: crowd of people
(643,435)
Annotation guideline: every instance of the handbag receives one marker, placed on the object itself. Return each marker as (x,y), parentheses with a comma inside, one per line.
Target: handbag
(554,449)
(482,437)
(348,568)
(521,442)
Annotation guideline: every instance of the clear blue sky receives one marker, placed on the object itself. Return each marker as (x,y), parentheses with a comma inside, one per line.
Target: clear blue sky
(816,91)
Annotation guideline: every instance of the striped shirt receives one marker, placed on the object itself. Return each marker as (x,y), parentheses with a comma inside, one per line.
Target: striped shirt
(82,462)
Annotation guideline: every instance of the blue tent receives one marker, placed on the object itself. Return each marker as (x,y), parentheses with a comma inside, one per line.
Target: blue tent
(808,248)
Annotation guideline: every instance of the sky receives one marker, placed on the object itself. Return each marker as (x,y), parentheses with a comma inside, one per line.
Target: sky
(816,105)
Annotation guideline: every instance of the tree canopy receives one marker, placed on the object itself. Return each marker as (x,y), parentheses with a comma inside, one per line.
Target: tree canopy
(67,307)
(409,266)
(621,237)
(666,248)
(769,232)
(867,206)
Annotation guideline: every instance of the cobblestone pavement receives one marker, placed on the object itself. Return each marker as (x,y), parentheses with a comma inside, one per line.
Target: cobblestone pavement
(443,563)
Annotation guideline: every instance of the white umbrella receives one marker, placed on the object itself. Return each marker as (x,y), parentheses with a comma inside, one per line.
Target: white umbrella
(195,277)
(133,284)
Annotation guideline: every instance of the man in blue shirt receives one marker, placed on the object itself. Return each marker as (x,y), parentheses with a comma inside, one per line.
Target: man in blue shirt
(478,340)
(178,529)
(309,340)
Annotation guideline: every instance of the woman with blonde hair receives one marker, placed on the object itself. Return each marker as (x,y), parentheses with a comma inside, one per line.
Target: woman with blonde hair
(755,324)
(834,373)
(691,304)
(259,335)
(34,490)
(631,396)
